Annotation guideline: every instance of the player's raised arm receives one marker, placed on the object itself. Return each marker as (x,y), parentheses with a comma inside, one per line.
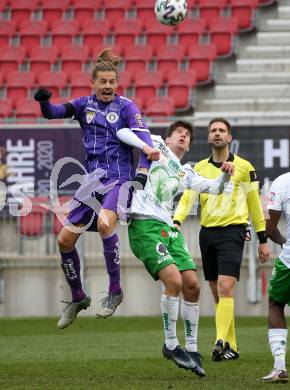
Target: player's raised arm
(53,111)
(142,141)
(199,183)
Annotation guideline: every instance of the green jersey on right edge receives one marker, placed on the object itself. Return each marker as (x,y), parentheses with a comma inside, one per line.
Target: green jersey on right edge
(166,178)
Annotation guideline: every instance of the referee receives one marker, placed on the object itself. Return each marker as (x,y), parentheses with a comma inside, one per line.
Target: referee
(223,231)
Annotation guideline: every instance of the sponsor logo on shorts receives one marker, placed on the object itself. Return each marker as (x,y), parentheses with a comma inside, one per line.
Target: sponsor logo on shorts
(173,234)
(163,252)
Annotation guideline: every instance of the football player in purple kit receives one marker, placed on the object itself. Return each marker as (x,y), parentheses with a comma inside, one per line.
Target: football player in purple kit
(105,119)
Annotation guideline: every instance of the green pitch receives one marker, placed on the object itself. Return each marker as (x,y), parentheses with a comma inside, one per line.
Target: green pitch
(122,353)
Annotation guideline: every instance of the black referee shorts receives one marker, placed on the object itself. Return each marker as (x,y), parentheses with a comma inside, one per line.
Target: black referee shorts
(222,250)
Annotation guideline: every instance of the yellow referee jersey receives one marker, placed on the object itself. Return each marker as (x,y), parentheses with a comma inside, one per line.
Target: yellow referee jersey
(226,209)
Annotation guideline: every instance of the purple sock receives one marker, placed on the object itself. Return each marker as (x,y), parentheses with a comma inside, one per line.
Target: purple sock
(112,257)
(71,268)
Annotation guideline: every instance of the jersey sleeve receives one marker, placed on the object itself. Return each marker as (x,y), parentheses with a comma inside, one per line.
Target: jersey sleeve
(78,105)
(251,186)
(133,118)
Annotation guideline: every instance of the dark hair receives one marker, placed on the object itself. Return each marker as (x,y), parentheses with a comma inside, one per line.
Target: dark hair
(180,123)
(106,62)
(224,121)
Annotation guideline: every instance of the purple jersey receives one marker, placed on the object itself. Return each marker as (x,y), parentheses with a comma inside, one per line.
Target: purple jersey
(100,122)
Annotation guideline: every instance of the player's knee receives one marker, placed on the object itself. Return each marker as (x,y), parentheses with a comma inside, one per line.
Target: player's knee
(173,286)
(191,290)
(105,229)
(64,243)
(225,288)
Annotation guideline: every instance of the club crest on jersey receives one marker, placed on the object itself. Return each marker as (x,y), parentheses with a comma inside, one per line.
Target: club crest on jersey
(90,115)
(112,117)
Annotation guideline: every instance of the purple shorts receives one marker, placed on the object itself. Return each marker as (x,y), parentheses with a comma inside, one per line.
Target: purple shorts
(86,207)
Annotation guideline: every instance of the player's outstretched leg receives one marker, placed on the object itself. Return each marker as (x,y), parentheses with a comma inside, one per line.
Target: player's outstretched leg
(71,310)
(114,297)
(109,305)
(179,356)
(276,376)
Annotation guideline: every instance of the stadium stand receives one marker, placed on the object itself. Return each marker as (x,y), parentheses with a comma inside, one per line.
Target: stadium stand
(137,57)
(180,88)
(42,58)
(80,84)
(147,84)
(53,81)
(53,10)
(46,36)
(73,58)
(85,9)
(169,57)
(18,85)
(11,57)
(21,10)
(31,33)
(7,30)
(160,107)
(27,109)
(5,108)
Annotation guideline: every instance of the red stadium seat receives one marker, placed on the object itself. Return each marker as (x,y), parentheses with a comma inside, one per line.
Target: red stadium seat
(41,59)
(116,9)
(157,34)
(180,84)
(73,58)
(80,84)
(85,9)
(3,4)
(168,57)
(5,108)
(222,33)
(210,9)
(244,12)
(200,60)
(21,10)
(53,10)
(7,30)
(145,10)
(62,32)
(32,225)
(27,109)
(94,32)
(139,103)
(10,58)
(160,107)
(31,33)
(18,84)
(147,83)
(137,57)
(53,81)
(126,32)
(190,31)
(125,81)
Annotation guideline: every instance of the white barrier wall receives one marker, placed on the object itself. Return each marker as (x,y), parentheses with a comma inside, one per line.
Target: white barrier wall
(32,284)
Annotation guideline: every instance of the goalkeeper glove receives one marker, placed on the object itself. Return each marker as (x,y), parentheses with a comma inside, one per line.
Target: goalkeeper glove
(42,95)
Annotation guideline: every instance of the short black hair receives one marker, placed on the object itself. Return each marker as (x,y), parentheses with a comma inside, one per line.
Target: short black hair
(224,121)
(180,123)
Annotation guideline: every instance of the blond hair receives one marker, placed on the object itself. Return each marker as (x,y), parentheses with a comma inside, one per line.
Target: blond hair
(106,62)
